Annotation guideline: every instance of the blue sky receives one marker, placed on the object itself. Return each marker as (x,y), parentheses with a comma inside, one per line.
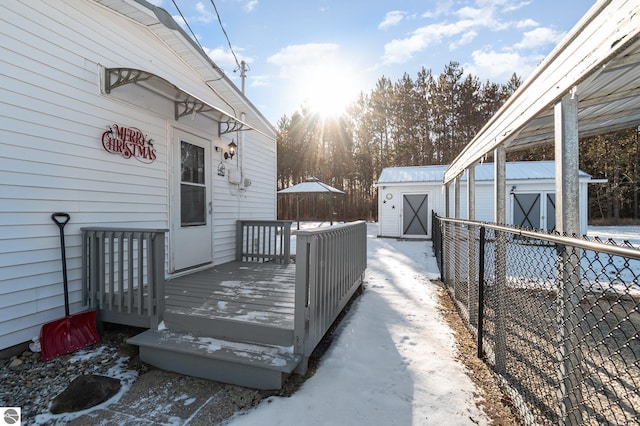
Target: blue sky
(324,52)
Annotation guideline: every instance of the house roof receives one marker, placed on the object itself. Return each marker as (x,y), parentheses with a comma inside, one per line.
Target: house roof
(215,83)
(311,185)
(517,170)
(598,61)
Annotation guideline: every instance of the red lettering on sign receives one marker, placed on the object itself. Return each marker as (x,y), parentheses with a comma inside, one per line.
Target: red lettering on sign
(128,142)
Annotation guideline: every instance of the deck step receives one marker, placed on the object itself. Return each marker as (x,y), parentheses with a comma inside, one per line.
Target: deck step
(243,364)
(242,329)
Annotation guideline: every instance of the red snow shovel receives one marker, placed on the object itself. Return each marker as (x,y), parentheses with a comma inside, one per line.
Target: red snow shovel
(72,332)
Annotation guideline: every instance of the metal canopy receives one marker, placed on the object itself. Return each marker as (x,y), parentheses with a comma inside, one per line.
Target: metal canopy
(185,103)
(311,185)
(598,61)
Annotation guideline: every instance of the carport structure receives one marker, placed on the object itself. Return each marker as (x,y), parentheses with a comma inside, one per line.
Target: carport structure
(588,85)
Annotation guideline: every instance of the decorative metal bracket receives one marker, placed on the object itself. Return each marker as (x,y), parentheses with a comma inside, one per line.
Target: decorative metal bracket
(230,125)
(190,106)
(184,103)
(123,76)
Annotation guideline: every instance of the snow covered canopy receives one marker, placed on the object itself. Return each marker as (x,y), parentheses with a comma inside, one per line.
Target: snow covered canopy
(598,62)
(313,186)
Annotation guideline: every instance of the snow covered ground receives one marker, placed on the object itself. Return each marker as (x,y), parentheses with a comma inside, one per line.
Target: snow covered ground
(393,362)
(616,233)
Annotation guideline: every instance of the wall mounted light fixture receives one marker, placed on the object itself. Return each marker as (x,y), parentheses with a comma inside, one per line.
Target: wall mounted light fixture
(232,150)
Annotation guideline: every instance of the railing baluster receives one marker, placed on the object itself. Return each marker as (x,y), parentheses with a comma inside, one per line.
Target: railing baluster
(120,270)
(131,271)
(140,292)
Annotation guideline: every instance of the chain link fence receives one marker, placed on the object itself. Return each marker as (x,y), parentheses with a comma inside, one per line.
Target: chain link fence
(557,318)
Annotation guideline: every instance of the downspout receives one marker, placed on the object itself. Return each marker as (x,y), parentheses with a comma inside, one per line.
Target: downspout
(241,151)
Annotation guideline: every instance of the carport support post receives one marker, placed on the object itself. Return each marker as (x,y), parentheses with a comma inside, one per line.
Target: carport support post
(500,172)
(472,299)
(445,236)
(569,293)
(457,261)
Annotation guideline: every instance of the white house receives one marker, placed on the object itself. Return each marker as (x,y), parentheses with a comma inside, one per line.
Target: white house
(112,114)
(408,195)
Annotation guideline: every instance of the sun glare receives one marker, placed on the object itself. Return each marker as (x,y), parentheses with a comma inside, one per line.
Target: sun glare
(328,91)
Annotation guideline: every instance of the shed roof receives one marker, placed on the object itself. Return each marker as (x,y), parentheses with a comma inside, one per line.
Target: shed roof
(517,170)
(598,61)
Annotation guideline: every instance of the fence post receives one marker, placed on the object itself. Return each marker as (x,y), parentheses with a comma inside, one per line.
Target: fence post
(569,336)
(239,240)
(481,290)
(158,277)
(472,287)
(287,242)
(501,294)
(301,301)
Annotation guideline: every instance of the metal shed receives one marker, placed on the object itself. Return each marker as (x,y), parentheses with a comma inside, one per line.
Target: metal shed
(408,195)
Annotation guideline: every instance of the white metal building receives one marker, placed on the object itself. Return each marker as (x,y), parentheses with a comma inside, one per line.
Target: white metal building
(408,195)
(112,114)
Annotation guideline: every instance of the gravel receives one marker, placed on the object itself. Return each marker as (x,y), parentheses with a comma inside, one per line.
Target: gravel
(31,384)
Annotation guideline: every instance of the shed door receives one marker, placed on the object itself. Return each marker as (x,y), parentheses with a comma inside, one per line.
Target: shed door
(526,210)
(191,226)
(551,211)
(415,215)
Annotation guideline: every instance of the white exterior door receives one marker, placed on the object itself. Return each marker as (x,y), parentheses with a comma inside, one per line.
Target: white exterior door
(191,202)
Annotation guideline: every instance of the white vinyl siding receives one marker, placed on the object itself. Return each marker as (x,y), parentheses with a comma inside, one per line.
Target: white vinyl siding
(52,116)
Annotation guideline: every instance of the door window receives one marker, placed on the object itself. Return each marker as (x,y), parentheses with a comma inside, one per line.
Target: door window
(193,197)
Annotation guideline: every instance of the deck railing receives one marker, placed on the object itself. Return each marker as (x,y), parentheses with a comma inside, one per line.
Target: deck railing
(123,274)
(263,241)
(330,265)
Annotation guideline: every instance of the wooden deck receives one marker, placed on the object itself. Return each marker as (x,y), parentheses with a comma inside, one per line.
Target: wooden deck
(232,323)
(259,293)
(245,323)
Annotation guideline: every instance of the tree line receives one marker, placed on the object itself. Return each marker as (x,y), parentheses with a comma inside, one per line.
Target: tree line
(427,120)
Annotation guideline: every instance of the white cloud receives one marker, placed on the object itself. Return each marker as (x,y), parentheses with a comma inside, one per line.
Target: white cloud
(204,15)
(499,67)
(466,38)
(468,24)
(399,51)
(294,58)
(224,58)
(250,5)
(259,80)
(391,19)
(511,7)
(526,23)
(539,37)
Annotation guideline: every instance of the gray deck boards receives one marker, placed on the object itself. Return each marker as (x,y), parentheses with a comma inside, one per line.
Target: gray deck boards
(261,293)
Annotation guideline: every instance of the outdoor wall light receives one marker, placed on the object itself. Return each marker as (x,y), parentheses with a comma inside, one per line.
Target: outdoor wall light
(232,150)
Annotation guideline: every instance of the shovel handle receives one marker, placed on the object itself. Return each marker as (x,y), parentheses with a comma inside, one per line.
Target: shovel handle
(60,222)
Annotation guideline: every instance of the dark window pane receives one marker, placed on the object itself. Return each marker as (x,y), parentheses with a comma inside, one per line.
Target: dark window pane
(192,160)
(192,205)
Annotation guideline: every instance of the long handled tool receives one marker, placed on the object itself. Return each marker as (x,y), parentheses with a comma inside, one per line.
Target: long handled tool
(72,332)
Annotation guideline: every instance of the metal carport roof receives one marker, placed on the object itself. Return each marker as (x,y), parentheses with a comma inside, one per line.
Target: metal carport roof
(599,60)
